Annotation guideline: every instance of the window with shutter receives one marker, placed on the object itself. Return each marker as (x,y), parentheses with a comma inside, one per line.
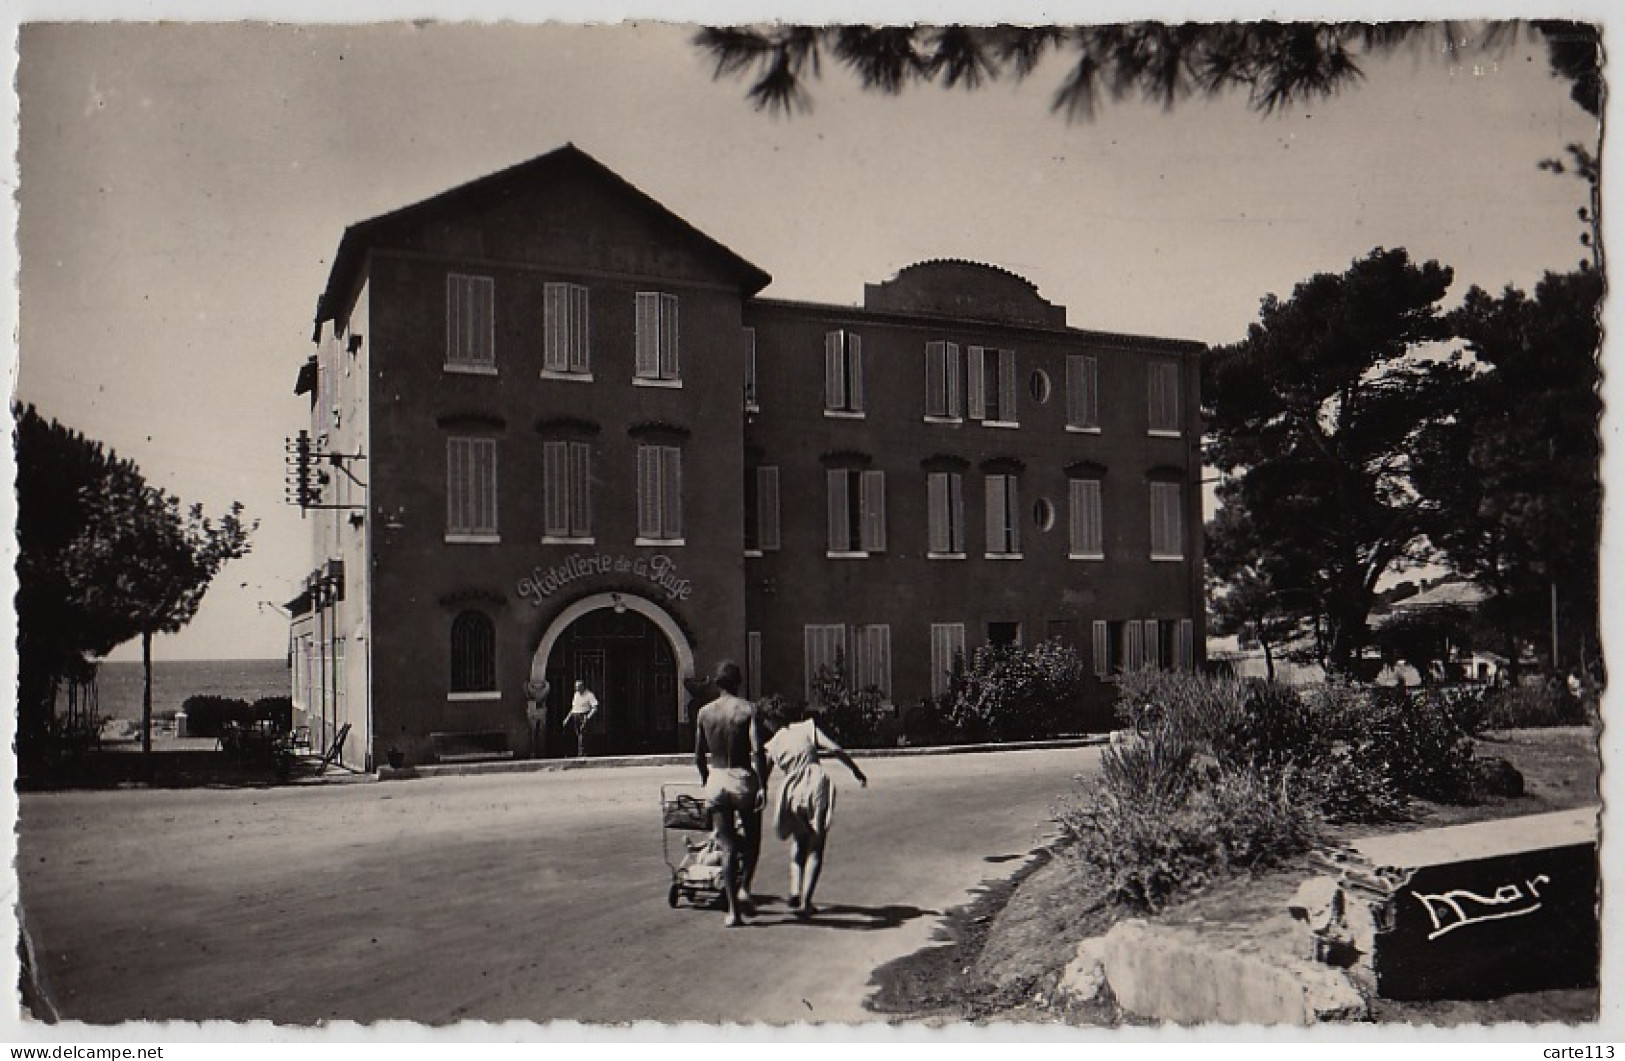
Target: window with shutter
(565,338)
(843,374)
(824,647)
(873,499)
(1186,645)
(656,359)
(660,494)
(1100,648)
(1167,522)
(580,491)
(1151,641)
(975,383)
(943,373)
(945,503)
(1132,646)
(556,489)
(767,505)
(471,489)
(671,493)
(1086,529)
(1163,386)
(872,663)
(470,342)
(1003,516)
(1082,389)
(1007,387)
(752,398)
(947,645)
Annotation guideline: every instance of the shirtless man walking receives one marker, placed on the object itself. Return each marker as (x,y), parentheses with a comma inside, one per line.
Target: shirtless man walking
(728,730)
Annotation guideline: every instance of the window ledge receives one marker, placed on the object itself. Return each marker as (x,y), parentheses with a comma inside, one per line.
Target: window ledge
(464,698)
(844,414)
(1078,429)
(1086,556)
(931,419)
(658,541)
(1158,433)
(752,407)
(473,539)
(1002,556)
(561,539)
(1001,423)
(1155,559)
(566,377)
(832,554)
(461,369)
(753,554)
(944,556)
(660,384)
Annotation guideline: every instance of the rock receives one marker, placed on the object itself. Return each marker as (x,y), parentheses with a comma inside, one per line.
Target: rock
(1085,975)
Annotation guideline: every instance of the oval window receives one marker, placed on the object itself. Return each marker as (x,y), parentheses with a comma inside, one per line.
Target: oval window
(1038,386)
(1043,514)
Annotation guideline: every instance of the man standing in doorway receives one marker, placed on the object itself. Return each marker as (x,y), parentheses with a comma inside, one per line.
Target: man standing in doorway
(728,729)
(583,706)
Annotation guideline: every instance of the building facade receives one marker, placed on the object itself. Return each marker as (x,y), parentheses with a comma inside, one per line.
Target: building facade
(556,435)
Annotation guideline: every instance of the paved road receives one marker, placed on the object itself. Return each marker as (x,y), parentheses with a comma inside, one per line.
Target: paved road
(535,896)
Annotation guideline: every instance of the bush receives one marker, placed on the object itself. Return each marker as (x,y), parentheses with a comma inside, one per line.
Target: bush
(1407,738)
(855,718)
(275,709)
(206,715)
(1151,850)
(927,724)
(1528,707)
(1008,693)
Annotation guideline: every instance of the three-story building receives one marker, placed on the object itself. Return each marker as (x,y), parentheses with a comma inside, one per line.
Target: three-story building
(563,438)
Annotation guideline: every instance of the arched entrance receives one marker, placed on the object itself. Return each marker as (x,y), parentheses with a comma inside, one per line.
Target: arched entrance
(631,654)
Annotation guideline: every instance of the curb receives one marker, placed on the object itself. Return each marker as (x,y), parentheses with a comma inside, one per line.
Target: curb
(526,766)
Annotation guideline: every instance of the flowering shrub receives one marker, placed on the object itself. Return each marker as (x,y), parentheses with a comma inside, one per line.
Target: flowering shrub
(1008,692)
(856,718)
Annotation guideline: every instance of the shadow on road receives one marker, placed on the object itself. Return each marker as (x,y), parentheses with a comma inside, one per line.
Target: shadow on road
(841,916)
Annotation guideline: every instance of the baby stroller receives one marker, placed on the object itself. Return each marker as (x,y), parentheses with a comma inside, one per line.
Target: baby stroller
(697,874)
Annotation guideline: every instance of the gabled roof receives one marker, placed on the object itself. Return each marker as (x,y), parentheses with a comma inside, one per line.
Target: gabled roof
(1458,594)
(567,160)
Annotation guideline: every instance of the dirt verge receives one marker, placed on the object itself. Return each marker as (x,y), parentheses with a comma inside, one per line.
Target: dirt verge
(1002,954)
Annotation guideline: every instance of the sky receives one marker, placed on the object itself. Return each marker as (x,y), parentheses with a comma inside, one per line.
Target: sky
(183,188)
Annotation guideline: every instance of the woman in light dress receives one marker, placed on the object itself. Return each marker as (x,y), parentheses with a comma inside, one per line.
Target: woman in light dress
(805,803)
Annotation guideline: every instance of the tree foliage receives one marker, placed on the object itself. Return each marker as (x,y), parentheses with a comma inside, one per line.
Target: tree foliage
(1276,64)
(1514,478)
(103,557)
(1313,417)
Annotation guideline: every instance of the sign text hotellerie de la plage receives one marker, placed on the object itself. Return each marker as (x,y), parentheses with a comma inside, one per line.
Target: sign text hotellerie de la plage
(543,582)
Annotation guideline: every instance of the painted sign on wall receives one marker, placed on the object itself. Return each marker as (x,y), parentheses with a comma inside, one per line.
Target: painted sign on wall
(543,582)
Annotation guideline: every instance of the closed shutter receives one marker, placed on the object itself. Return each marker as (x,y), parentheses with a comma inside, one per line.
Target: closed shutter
(976,384)
(936,379)
(556,327)
(955,374)
(937,513)
(1133,646)
(1012,513)
(840,537)
(458,517)
(823,646)
(874,511)
(670,347)
(751,397)
(648,492)
(1082,404)
(995,497)
(854,365)
(1007,386)
(767,507)
(956,512)
(580,330)
(1101,648)
(1186,645)
(580,489)
(947,642)
(1167,530)
(1164,396)
(872,665)
(834,372)
(647,357)
(1152,642)
(486,449)
(555,489)
(1086,527)
(753,664)
(671,492)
